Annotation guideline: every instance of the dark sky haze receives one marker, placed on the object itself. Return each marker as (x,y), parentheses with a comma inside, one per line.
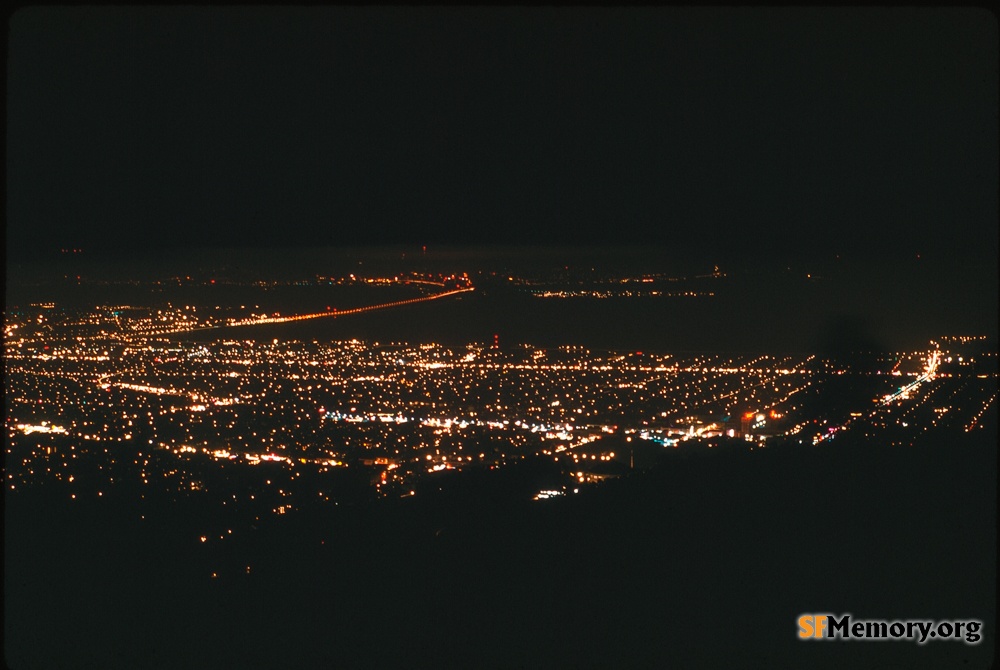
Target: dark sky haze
(788,130)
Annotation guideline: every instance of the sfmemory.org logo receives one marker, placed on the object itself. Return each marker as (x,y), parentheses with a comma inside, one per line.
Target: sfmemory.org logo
(830,627)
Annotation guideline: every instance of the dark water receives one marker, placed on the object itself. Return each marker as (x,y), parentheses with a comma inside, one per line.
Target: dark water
(763,304)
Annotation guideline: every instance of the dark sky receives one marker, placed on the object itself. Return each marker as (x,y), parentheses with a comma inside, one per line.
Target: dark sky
(787,130)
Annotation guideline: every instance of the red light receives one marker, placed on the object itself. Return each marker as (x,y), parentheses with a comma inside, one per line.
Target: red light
(748,415)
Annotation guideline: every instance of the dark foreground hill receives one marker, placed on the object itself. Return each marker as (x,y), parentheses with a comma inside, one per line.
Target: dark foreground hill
(705,561)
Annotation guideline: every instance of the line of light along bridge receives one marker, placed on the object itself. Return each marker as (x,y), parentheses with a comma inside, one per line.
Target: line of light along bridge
(326,314)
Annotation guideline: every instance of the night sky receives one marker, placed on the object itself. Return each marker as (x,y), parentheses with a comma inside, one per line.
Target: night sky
(788,130)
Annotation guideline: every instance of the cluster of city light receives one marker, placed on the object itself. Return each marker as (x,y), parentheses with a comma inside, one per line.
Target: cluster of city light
(545,494)
(621,294)
(43,427)
(408,411)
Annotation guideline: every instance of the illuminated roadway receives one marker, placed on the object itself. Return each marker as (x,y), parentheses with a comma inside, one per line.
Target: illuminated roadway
(331,313)
(929,373)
